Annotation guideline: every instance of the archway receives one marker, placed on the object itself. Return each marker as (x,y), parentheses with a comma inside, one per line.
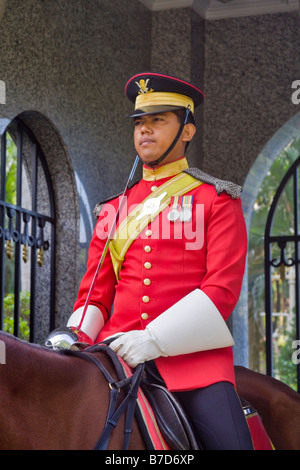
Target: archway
(281,140)
(67,215)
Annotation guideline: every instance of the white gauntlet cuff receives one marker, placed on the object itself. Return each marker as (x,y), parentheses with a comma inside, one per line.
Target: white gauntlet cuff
(93,321)
(192,324)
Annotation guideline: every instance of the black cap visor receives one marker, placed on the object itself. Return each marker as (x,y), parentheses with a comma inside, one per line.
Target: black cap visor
(154,110)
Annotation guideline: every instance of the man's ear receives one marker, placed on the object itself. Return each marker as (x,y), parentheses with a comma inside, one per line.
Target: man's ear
(188,132)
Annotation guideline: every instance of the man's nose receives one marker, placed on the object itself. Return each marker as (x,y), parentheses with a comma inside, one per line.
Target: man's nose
(145,127)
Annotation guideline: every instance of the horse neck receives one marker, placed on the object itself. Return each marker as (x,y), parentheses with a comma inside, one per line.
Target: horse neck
(25,364)
(40,389)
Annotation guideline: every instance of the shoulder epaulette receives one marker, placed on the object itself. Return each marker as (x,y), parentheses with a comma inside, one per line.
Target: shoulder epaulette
(100,204)
(234,190)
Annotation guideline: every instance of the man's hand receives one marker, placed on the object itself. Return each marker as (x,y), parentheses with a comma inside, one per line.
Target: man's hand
(136,347)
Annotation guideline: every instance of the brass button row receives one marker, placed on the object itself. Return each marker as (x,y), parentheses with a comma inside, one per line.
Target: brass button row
(147,265)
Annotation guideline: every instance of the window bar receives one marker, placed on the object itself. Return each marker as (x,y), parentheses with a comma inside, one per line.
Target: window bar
(296,231)
(268,304)
(52,279)
(52,246)
(2,225)
(34,176)
(17,237)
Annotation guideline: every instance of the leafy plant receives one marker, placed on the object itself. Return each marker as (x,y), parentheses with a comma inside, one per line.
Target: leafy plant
(9,304)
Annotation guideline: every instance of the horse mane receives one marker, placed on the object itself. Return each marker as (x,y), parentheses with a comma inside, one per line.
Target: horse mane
(13,341)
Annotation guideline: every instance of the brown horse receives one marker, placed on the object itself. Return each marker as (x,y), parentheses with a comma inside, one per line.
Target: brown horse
(277,404)
(53,401)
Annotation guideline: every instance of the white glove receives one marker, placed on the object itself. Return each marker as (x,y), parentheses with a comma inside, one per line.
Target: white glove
(136,346)
(193,324)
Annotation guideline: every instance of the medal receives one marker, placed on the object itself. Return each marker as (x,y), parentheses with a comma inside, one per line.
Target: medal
(151,206)
(186,209)
(174,214)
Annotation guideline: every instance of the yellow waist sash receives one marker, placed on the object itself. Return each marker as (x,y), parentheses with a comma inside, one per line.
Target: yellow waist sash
(130,228)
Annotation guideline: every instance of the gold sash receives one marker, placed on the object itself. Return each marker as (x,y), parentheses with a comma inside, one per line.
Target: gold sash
(131,228)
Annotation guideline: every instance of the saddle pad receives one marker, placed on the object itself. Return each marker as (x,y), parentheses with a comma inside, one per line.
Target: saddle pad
(146,419)
(260,438)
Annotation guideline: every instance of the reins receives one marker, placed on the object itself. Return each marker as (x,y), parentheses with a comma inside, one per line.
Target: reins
(130,385)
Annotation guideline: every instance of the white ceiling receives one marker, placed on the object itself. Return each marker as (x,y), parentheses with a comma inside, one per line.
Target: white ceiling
(217,9)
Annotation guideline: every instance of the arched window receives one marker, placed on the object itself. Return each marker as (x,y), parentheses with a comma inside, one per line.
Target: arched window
(282,257)
(273,270)
(27,235)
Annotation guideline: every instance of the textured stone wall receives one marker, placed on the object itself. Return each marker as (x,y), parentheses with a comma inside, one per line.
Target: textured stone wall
(65,64)
(250,64)
(178,49)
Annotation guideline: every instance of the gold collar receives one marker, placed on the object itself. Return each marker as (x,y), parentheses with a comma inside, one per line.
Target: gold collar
(163,171)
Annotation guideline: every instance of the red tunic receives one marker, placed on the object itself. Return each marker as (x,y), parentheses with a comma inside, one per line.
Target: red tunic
(164,264)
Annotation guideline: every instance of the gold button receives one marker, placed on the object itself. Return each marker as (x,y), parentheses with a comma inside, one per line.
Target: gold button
(148,265)
(147,249)
(145,299)
(145,316)
(147,282)
(153,188)
(148,233)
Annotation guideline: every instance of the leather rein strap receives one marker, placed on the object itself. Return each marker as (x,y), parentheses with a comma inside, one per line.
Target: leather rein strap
(129,384)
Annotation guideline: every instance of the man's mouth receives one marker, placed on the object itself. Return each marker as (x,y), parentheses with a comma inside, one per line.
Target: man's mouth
(146,141)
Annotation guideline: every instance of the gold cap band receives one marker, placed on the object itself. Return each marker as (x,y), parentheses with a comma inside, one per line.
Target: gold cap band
(163,99)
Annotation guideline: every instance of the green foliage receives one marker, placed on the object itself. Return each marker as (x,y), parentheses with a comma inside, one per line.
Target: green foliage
(9,299)
(11,171)
(286,369)
(9,303)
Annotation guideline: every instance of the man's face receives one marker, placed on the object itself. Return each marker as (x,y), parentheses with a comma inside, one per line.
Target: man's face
(153,135)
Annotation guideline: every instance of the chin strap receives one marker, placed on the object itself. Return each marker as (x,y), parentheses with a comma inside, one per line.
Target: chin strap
(159,160)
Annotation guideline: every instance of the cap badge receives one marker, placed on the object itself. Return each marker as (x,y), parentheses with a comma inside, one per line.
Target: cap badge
(143,86)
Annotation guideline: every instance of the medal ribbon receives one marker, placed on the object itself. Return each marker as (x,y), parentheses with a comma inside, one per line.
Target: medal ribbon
(130,228)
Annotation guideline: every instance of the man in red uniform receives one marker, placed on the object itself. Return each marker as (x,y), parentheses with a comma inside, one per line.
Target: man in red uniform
(175,266)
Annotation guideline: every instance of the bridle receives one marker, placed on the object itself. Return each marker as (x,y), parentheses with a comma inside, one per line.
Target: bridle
(129,385)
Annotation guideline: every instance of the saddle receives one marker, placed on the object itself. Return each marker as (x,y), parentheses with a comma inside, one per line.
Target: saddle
(170,416)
